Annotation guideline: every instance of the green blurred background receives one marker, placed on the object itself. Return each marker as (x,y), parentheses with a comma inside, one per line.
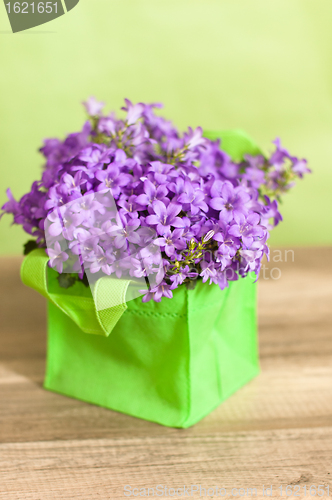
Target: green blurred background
(261,66)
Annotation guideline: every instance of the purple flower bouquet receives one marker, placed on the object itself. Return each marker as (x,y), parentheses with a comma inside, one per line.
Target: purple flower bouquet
(129,213)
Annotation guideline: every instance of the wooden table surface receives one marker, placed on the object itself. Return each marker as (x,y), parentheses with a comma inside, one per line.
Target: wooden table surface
(275,431)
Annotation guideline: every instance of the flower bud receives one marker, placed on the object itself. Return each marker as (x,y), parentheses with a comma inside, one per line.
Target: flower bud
(208,236)
(192,243)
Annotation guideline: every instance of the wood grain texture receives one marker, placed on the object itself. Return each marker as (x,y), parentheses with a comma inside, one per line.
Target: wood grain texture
(276,430)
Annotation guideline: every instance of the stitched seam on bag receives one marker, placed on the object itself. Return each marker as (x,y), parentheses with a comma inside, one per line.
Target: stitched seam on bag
(157,314)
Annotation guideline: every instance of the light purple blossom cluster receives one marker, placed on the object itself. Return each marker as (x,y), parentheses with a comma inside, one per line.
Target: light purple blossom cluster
(121,186)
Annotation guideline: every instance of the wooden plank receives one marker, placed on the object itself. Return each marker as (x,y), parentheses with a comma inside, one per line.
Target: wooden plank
(296,396)
(275,430)
(93,469)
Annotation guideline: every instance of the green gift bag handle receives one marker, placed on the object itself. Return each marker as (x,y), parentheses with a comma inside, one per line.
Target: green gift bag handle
(86,312)
(236,143)
(89,313)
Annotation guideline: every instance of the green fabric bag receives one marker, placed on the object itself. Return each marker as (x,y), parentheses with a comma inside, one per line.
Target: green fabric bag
(171,362)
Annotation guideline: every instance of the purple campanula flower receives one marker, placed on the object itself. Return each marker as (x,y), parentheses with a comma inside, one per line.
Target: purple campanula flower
(247,228)
(86,206)
(64,221)
(280,158)
(107,125)
(55,198)
(93,107)
(254,176)
(161,171)
(112,178)
(84,246)
(190,229)
(131,196)
(177,186)
(161,129)
(230,171)
(171,242)
(225,276)
(228,244)
(134,112)
(138,269)
(129,206)
(101,260)
(12,206)
(164,217)
(251,257)
(57,257)
(72,184)
(156,293)
(280,154)
(125,233)
(95,156)
(270,211)
(195,138)
(151,193)
(300,167)
(224,260)
(178,278)
(209,272)
(255,162)
(232,201)
(192,199)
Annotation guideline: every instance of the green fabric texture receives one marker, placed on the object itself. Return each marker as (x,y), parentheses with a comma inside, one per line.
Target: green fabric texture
(90,314)
(236,143)
(170,362)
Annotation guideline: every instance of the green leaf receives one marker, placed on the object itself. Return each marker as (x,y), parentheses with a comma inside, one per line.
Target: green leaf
(191,284)
(29,246)
(66,280)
